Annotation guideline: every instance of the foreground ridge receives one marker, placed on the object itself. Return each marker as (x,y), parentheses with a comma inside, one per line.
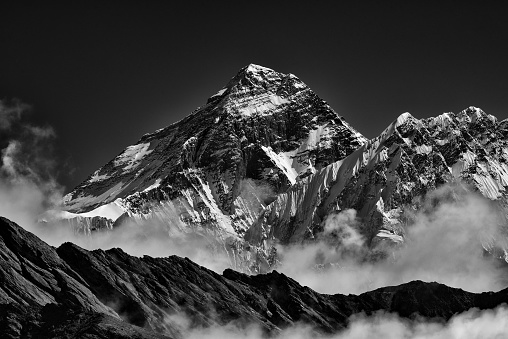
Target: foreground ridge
(48,292)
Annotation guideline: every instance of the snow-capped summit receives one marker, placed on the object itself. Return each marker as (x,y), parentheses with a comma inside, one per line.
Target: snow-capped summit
(218,167)
(266,161)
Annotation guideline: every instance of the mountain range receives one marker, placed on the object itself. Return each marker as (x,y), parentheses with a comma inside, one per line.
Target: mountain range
(266,162)
(264,165)
(69,292)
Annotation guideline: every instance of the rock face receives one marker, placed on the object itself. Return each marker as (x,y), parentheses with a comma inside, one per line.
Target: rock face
(263,129)
(69,292)
(41,296)
(215,170)
(390,172)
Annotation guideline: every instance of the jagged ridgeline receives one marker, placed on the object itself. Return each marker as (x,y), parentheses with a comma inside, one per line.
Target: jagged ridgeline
(68,292)
(267,161)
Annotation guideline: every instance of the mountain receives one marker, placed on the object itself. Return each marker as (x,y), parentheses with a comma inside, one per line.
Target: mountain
(263,128)
(265,161)
(64,292)
(216,169)
(390,174)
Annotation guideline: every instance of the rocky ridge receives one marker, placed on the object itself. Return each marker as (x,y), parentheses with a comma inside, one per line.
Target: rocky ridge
(68,292)
(390,173)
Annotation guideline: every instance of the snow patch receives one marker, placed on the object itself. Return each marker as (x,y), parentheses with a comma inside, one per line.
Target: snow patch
(219,93)
(112,211)
(283,161)
(262,105)
(401,120)
(152,186)
(423,149)
(82,200)
(253,68)
(132,156)
(96,177)
(489,187)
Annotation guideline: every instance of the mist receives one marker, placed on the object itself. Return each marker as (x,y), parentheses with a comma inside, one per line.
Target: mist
(28,186)
(443,243)
(162,232)
(473,324)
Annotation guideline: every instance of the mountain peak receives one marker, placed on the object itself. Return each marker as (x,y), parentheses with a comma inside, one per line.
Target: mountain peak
(403,118)
(254,74)
(250,76)
(473,114)
(253,68)
(263,125)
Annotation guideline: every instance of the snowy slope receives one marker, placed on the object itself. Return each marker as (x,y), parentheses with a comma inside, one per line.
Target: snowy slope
(410,158)
(218,167)
(266,161)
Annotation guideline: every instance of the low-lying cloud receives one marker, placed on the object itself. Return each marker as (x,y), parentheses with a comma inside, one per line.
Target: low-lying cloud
(27,183)
(473,324)
(443,243)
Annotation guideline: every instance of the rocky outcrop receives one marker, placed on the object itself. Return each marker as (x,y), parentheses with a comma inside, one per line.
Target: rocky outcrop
(69,292)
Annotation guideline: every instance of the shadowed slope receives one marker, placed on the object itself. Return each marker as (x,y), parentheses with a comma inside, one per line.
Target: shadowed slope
(47,292)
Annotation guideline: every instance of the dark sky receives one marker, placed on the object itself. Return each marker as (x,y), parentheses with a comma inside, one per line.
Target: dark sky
(104,74)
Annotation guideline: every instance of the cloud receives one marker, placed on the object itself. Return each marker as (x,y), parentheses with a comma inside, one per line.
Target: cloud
(443,243)
(473,324)
(158,234)
(27,183)
(162,232)
(11,112)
